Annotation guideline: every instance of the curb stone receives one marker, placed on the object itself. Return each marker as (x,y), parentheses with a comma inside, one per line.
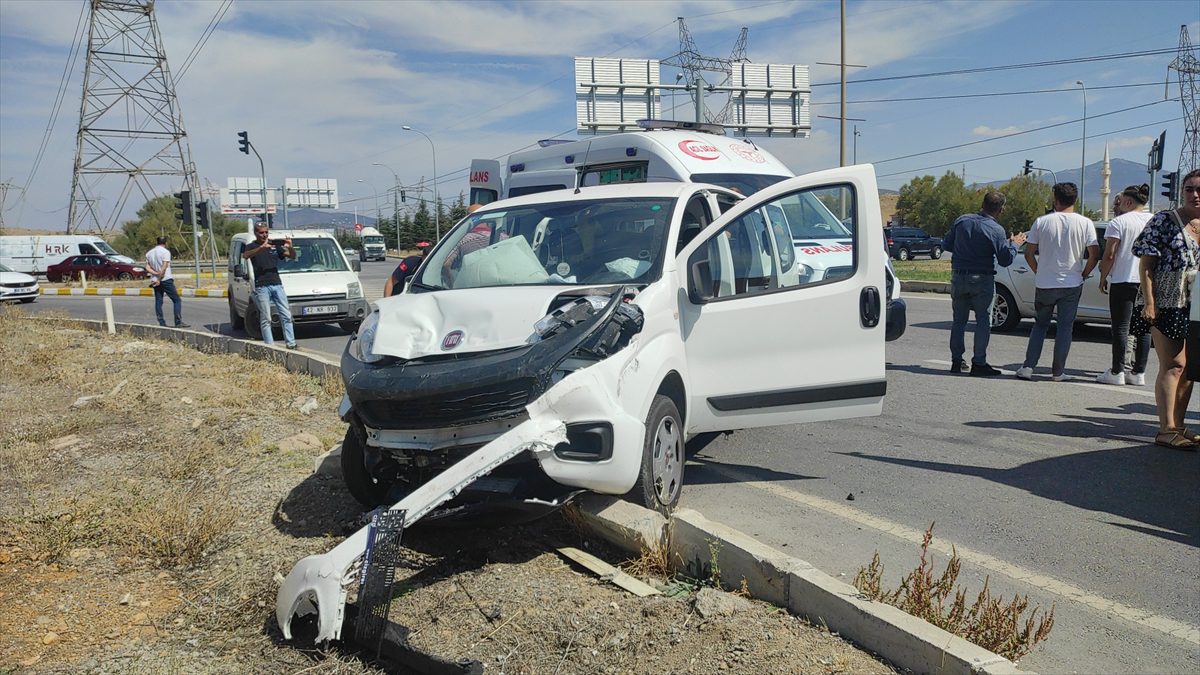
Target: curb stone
(902,639)
(925,286)
(144,292)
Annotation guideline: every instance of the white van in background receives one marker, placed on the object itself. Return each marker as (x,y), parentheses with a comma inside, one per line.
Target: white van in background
(321,284)
(32,254)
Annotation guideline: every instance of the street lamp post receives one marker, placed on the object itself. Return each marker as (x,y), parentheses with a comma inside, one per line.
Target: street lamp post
(437,226)
(1083,149)
(395,202)
(375,193)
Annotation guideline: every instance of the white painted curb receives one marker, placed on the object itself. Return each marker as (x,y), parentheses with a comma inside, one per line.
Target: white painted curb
(147,292)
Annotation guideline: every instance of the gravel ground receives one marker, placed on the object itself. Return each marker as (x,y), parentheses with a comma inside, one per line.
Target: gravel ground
(152,494)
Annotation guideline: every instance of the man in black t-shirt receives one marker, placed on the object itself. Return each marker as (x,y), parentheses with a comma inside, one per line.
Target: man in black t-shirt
(264,255)
(404,271)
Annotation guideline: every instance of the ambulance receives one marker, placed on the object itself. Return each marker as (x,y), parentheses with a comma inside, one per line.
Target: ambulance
(678,151)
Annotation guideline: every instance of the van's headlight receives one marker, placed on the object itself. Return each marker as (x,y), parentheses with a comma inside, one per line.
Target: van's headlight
(363,343)
(354,290)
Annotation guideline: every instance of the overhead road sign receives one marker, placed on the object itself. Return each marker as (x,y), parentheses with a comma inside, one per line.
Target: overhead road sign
(244,196)
(769,99)
(313,193)
(611,95)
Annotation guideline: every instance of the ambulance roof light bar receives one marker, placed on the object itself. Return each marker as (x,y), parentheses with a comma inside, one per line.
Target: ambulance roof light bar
(704,127)
(547,142)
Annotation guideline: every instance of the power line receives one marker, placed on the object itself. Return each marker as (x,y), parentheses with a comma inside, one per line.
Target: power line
(1017,152)
(203,39)
(1013,66)
(1019,133)
(990,94)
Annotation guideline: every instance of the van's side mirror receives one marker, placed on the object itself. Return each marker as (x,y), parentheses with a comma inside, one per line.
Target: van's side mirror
(699,282)
(356,265)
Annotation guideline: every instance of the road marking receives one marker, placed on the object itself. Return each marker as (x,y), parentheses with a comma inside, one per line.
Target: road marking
(1136,391)
(1063,589)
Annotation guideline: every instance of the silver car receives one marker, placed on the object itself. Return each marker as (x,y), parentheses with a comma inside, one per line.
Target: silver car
(1015,290)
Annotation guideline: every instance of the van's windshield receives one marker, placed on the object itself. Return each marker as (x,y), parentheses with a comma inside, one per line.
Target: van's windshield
(562,243)
(104,247)
(314,255)
(745,183)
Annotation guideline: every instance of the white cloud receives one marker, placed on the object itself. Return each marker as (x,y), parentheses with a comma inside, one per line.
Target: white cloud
(1141,142)
(984,130)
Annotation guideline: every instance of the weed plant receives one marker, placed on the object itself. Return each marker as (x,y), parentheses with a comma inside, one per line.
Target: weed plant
(990,622)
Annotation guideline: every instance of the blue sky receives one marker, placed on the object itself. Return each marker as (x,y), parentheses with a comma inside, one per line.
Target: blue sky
(324,87)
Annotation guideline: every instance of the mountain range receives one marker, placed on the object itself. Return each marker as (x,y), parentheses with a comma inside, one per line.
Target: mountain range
(1124,174)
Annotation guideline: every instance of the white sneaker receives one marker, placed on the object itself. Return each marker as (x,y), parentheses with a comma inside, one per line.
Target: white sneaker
(1059,377)
(1135,379)
(1109,377)
(1024,373)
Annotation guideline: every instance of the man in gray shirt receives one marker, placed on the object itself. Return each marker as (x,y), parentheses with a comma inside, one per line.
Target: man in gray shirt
(976,242)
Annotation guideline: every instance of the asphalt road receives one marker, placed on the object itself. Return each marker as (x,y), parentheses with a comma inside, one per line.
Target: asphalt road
(1047,489)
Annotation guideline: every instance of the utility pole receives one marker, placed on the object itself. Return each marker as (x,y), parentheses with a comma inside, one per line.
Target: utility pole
(842,157)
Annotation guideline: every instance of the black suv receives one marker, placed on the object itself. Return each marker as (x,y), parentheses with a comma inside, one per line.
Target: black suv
(906,242)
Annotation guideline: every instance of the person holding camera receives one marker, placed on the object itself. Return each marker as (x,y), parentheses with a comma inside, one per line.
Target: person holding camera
(264,254)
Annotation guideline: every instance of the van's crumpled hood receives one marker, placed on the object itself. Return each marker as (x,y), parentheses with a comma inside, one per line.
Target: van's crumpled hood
(412,325)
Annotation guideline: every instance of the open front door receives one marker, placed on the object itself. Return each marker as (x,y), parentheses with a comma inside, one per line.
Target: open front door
(770,338)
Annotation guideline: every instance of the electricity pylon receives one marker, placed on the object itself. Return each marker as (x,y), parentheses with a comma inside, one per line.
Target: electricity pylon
(693,64)
(130,123)
(1188,67)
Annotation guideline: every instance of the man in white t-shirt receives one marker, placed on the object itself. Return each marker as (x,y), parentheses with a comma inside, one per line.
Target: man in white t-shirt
(1119,279)
(158,261)
(1054,249)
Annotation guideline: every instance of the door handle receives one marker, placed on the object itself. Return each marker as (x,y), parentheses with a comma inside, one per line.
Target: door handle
(1021,270)
(869,306)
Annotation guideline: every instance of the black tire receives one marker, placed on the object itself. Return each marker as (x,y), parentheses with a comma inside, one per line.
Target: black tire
(237,322)
(124,276)
(253,328)
(349,326)
(362,486)
(1005,314)
(660,481)
(903,254)
(936,252)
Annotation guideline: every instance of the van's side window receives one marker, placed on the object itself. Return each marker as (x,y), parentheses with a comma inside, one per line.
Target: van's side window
(88,248)
(793,241)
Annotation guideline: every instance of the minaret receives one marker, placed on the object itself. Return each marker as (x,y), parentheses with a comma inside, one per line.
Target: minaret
(1105,174)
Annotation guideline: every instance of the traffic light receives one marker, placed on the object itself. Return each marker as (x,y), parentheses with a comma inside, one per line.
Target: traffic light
(244,142)
(403,197)
(1171,186)
(1028,167)
(183,208)
(202,215)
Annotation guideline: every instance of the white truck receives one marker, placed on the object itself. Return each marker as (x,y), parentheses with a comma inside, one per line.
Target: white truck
(32,254)
(321,284)
(372,245)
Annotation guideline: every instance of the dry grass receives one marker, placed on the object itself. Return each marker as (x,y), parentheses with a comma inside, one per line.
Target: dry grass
(990,622)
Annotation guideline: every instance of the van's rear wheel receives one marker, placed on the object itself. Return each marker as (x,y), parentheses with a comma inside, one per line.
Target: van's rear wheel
(660,482)
(365,489)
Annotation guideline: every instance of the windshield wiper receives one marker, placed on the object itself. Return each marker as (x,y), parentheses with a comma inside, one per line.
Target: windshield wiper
(427,287)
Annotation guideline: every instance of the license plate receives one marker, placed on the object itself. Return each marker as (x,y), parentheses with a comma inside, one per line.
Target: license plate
(321,309)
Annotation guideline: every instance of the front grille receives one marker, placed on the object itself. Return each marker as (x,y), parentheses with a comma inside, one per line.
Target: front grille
(839,272)
(21,284)
(317,298)
(464,406)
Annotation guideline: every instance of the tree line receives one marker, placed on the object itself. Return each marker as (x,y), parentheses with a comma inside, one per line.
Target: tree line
(934,204)
(157,218)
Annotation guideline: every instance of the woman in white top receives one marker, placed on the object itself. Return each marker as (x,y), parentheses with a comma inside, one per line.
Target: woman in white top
(1119,279)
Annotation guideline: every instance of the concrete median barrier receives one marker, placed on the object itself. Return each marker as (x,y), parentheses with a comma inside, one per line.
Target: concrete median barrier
(143,291)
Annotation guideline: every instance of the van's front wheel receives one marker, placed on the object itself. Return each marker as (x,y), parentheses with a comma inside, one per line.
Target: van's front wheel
(660,482)
(365,489)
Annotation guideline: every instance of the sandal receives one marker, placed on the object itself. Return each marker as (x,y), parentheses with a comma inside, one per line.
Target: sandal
(1190,435)
(1174,439)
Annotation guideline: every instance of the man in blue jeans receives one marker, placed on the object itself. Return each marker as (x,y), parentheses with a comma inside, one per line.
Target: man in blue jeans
(162,279)
(976,242)
(264,256)
(1055,251)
